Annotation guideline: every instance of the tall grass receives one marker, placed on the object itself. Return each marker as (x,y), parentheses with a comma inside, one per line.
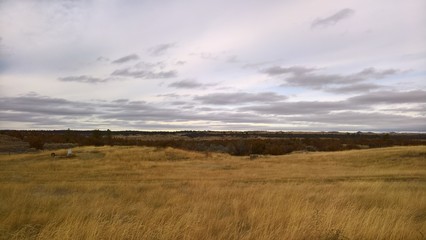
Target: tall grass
(149,193)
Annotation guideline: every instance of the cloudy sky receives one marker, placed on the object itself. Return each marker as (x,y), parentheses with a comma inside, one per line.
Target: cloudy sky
(333,65)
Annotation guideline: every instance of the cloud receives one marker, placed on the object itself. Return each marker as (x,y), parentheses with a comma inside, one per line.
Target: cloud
(206,55)
(354,88)
(17,117)
(150,65)
(178,103)
(146,112)
(232,59)
(41,110)
(408,109)
(190,84)
(390,97)
(128,58)
(83,79)
(366,121)
(373,73)
(102,59)
(171,95)
(294,108)
(259,64)
(333,19)
(365,102)
(36,104)
(239,98)
(225,56)
(46,39)
(144,74)
(160,49)
(270,112)
(299,76)
(296,70)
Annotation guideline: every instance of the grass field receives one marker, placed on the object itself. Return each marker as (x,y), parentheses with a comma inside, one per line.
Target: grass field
(149,193)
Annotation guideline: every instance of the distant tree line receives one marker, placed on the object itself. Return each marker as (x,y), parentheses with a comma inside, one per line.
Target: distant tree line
(235,143)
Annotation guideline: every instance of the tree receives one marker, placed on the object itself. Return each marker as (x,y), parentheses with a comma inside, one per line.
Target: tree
(96,138)
(108,136)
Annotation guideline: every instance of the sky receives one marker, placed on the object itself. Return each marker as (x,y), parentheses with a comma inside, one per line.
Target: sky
(274,65)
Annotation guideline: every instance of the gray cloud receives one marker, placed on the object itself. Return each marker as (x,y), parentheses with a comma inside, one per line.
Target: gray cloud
(178,103)
(160,49)
(128,58)
(171,95)
(238,117)
(239,98)
(144,74)
(375,74)
(142,70)
(300,76)
(191,84)
(293,108)
(150,65)
(83,79)
(366,121)
(232,59)
(296,70)
(390,97)
(417,109)
(41,111)
(36,104)
(34,120)
(17,116)
(355,88)
(206,55)
(122,100)
(360,102)
(333,19)
(102,59)
(143,112)
(257,65)
(3,56)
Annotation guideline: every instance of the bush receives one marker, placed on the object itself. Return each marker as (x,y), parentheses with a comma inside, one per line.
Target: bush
(36,142)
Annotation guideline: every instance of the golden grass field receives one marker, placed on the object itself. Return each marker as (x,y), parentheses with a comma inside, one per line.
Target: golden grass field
(149,193)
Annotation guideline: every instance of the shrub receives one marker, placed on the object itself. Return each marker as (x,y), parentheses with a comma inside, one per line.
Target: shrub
(36,142)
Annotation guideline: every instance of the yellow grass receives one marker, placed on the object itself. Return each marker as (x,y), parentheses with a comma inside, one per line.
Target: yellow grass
(148,193)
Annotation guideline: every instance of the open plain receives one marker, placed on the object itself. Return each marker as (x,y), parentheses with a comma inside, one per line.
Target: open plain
(166,193)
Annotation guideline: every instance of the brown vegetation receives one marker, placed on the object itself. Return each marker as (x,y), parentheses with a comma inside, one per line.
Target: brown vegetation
(10,144)
(234,143)
(165,193)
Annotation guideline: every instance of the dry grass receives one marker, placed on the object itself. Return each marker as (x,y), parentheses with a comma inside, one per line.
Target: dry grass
(148,193)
